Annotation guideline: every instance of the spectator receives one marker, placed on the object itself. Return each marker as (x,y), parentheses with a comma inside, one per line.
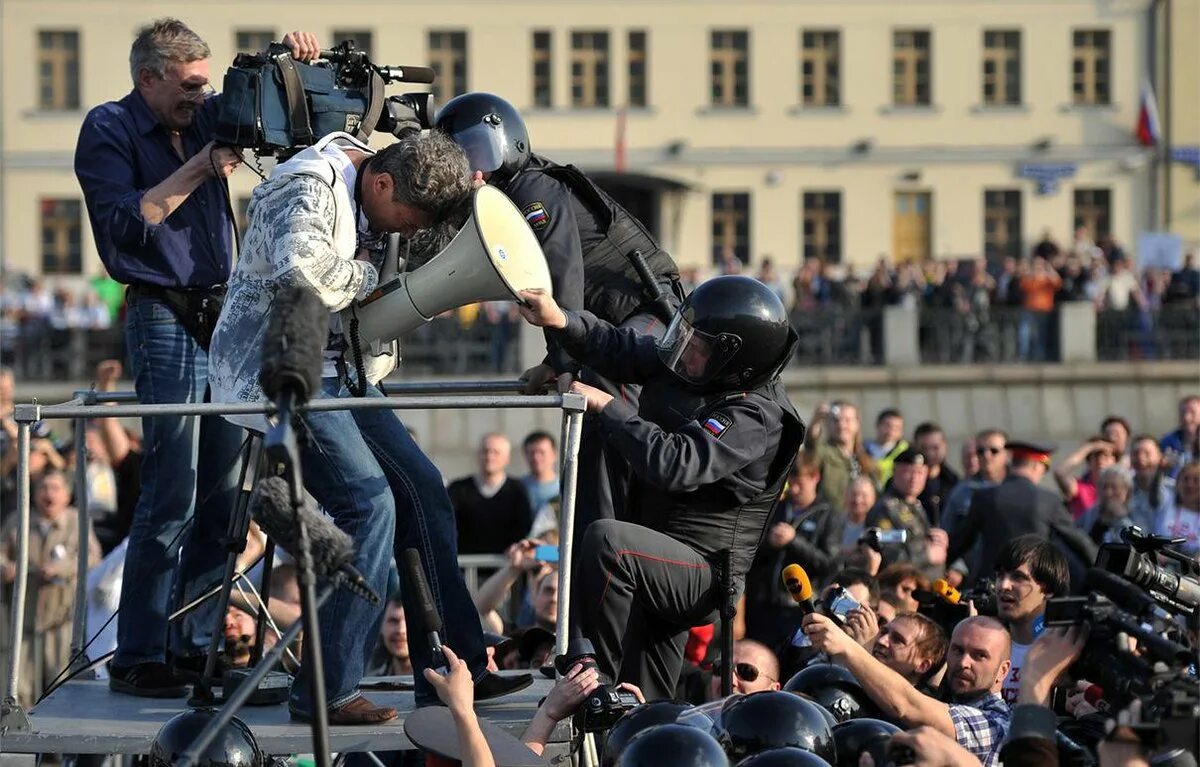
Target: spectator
(53,557)
(769,277)
(1184,287)
(913,646)
(863,586)
(898,508)
(491,509)
(1183,444)
(1120,291)
(1111,513)
(391,656)
(539,601)
(1080,492)
(1039,283)
(1029,571)
(930,441)
(1181,519)
(976,664)
(991,458)
(239,635)
(1083,247)
(889,442)
(124,454)
(541,483)
(755,668)
(860,499)
(1046,247)
(903,580)
(1152,487)
(834,439)
(805,529)
(970,461)
(1117,430)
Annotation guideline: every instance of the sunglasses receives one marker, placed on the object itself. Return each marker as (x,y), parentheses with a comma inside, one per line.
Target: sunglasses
(989,450)
(747,672)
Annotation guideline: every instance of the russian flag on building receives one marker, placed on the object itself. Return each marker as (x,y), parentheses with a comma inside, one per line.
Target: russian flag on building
(1148,131)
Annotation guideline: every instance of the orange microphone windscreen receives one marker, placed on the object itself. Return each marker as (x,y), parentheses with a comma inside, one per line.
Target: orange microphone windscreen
(797,583)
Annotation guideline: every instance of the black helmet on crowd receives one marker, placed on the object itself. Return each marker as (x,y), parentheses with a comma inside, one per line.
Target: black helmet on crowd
(774,719)
(862,736)
(490,130)
(784,757)
(833,687)
(637,719)
(672,745)
(234,745)
(731,332)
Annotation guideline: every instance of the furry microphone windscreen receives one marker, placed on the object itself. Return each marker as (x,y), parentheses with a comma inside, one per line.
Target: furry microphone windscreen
(297,327)
(271,507)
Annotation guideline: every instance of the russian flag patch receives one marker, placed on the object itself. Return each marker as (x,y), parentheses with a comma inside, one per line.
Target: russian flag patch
(536,216)
(716,424)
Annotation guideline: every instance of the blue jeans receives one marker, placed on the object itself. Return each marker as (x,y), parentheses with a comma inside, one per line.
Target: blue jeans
(366,471)
(168,367)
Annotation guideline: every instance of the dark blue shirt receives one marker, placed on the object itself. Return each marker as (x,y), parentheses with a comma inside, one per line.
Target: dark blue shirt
(123,151)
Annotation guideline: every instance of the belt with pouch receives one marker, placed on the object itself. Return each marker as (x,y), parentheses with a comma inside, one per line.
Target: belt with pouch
(196,309)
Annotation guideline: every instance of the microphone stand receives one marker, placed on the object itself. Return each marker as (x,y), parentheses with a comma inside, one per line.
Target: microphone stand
(234,702)
(282,449)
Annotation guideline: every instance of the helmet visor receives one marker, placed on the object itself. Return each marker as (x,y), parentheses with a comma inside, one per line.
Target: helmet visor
(484,146)
(695,356)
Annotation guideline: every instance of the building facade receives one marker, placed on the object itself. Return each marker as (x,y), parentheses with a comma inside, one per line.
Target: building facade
(846,130)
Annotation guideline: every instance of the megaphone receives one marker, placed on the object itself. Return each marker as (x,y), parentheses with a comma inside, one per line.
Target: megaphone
(492,258)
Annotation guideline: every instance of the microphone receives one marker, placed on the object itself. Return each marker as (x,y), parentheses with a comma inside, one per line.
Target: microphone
(795,580)
(291,363)
(332,549)
(943,589)
(415,579)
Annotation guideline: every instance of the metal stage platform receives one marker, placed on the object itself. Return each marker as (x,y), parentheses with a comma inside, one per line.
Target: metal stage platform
(84,717)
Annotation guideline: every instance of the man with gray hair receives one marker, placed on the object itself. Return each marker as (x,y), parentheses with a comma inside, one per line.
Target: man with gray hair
(154,184)
(315,224)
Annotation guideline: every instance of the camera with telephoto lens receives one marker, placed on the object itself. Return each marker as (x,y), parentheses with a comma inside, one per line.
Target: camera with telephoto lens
(877,539)
(275,105)
(601,710)
(1175,584)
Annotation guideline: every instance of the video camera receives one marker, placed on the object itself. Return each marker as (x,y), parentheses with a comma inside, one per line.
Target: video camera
(601,710)
(275,105)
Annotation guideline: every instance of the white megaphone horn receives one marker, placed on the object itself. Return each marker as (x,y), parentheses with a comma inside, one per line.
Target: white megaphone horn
(492,258)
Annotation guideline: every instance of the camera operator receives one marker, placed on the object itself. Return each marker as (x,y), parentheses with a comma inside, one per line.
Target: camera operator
(899,508)
(1015,507)
(976,664)
(1028,572)
(710,444)
(154,185)
(311,224)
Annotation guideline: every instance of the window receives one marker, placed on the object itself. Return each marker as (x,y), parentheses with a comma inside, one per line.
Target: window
(542,94)
(589,69)
(1001,68)
(822,217)
(360,37)
(820,68)
(448,59)
(638,60)
(1093,209)
(1001,223)
(731,225)
(1090,58)
(61,237)
(910,68)
(253,40)
(729,63)
(58,70)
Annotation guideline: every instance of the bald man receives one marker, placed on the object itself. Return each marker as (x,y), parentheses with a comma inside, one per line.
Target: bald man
(755,668)
(976,664)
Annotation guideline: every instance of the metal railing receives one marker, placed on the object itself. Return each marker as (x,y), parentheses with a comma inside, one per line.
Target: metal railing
(991,334)
(1172,332)
(402,396)
(836,335)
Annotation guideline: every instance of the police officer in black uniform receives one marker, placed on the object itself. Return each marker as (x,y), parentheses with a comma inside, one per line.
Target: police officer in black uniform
(710,444)
(588,239)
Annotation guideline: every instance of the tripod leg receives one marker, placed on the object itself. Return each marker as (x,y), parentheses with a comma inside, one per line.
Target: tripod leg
(239,525)
(264,593)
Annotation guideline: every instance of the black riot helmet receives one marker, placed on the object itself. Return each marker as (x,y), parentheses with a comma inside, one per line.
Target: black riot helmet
(785,757)
(490,130)
(731,332)
(672,745)
(774,719)
(862,736)
(234,745)
(835,688)
(634,721)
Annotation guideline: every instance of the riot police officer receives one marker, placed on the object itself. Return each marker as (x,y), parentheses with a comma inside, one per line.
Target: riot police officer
(588,239)
(709,443)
